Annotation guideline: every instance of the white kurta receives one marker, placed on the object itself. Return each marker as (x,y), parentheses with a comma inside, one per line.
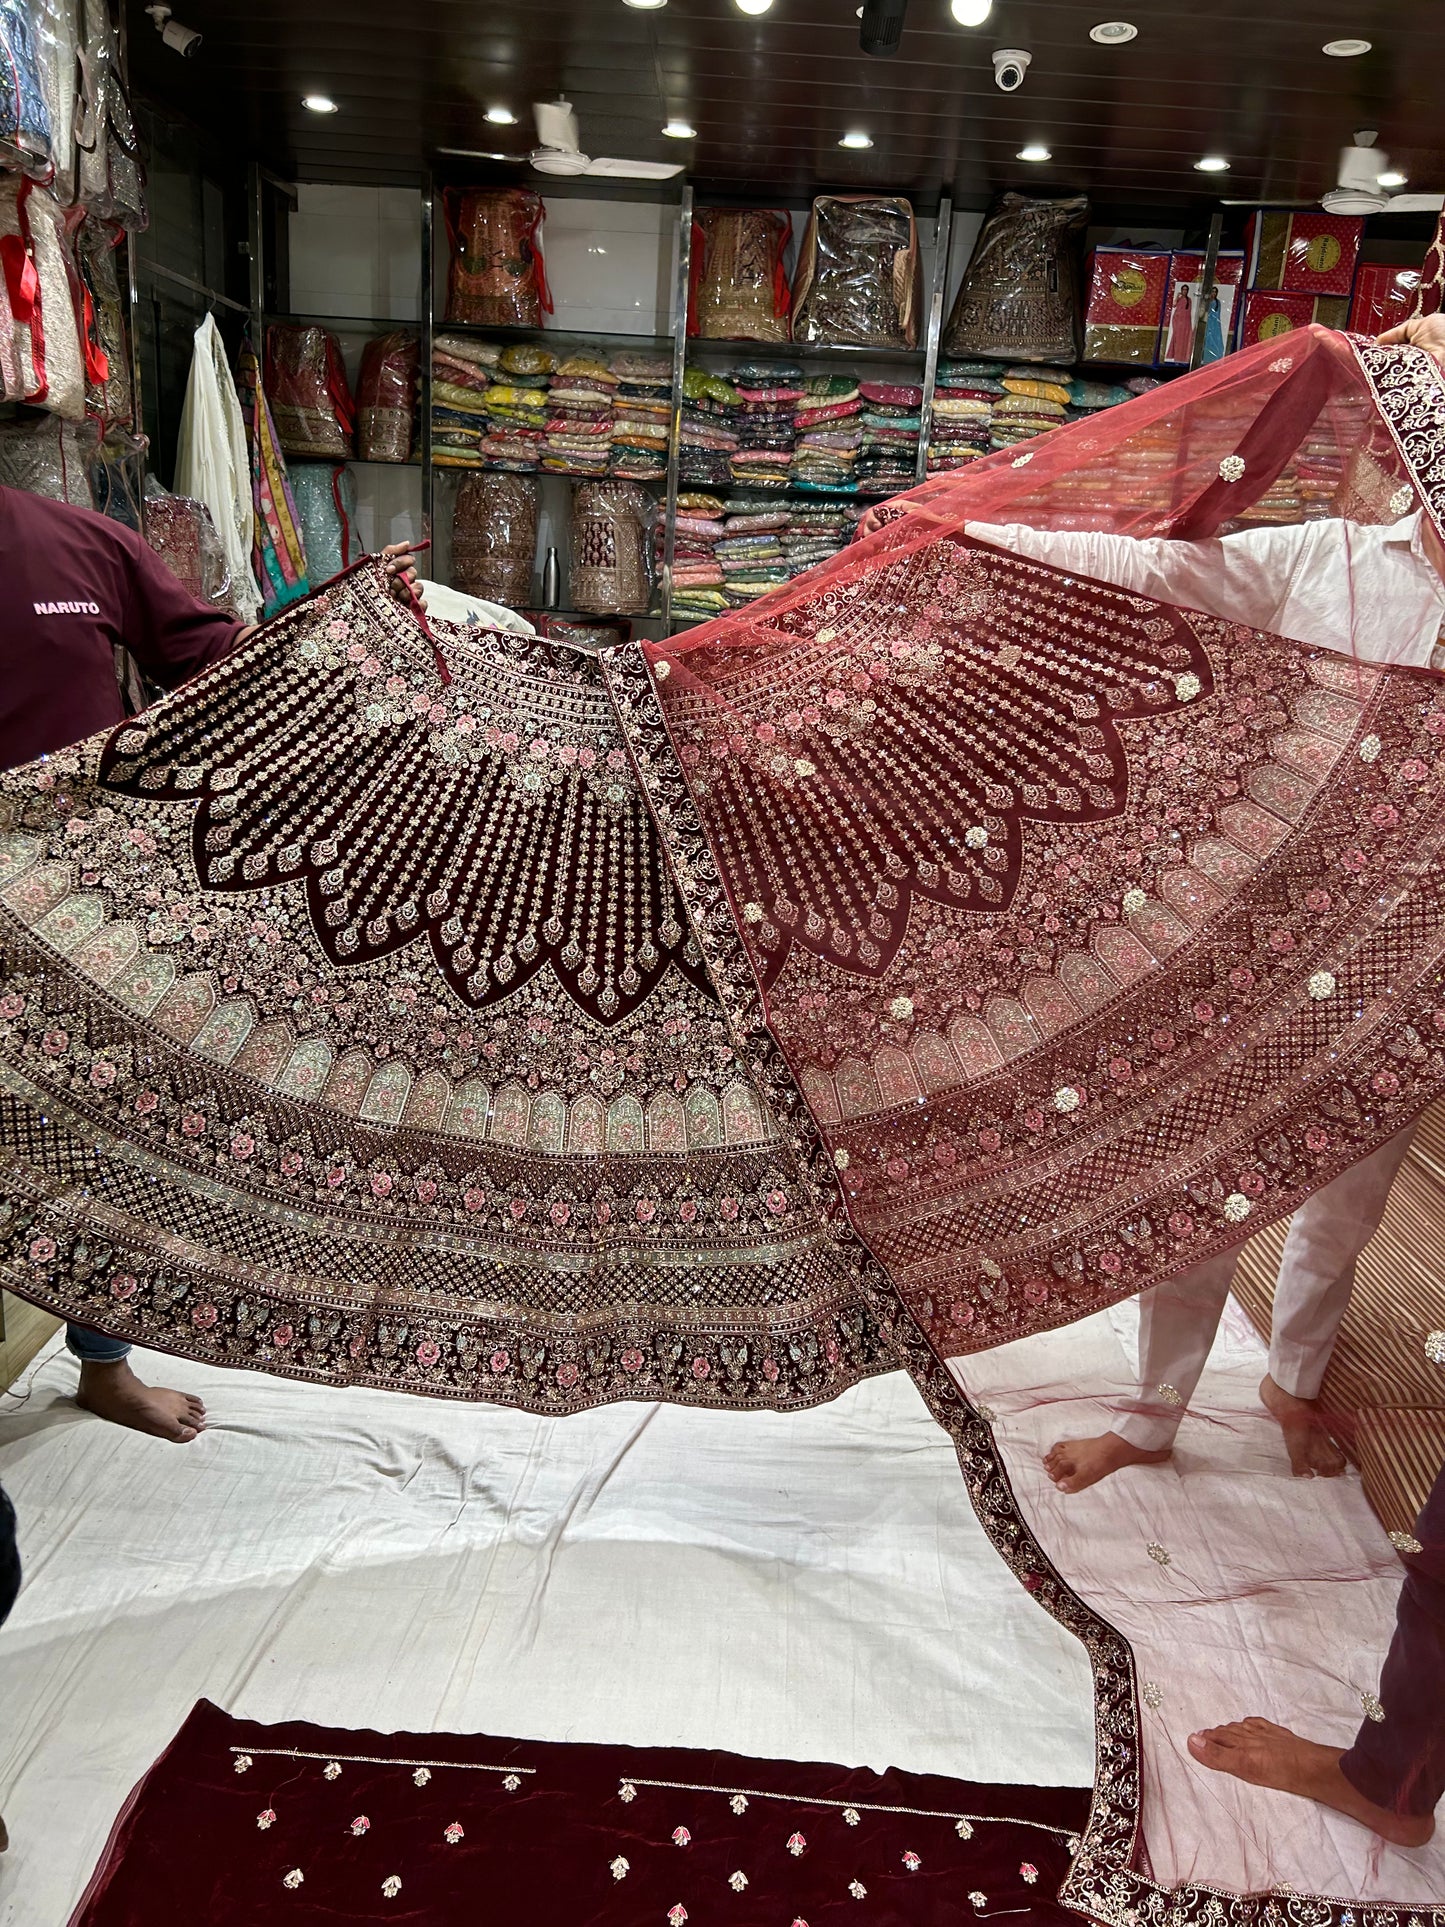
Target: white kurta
(212,463)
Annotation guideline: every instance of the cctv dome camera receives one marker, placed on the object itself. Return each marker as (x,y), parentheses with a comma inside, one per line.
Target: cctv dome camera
(1010,64)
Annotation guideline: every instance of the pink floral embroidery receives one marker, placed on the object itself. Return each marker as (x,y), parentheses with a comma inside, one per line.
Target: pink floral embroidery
(797,1844)
(426,1190)
(632,1360)
(428,1352)
(204,1316)
(727,1208)
(11,1005)
(677,1915)
(242,1146)
(681,1837)
(1386,1083)
(360,1825)
(123,1285)
(266,1818)
(567,1376)
(146,1102)
(381,1183)
(561,1213)
(55,1043)
(700,1368)
(500,1361)
(282,1336)
(1029,1871)
(1316,1140)
(912,1862)
(291,1162)
(42,1250)
(102,1074)
(193,1124)
(454,1833)
(474,1198)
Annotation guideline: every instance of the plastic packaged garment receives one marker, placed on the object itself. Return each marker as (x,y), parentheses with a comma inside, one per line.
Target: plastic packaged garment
(609,548)
(497,277)
(25,131)
(494,538)
(22,339)
(212,462)
(278,555)
(325,497)
(41,350)
(386,397)
(108,393)
(739,285)
(57,34)
(181,532)
(47,456)
(306,387)
(111,181)
(857,282)
(118,477)
(1019,298)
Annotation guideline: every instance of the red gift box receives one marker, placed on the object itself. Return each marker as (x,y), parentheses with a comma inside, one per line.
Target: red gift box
(1267,314)
(1383,295)
(1304,253)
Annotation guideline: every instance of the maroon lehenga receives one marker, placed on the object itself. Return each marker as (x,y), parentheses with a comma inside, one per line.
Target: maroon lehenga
(935,953)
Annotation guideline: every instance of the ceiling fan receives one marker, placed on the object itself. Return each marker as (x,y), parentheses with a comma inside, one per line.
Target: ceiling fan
(559,150)
(1360,188)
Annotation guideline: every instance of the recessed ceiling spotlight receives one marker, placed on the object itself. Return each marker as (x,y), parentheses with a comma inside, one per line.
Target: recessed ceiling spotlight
(501,117)
(856,140)
(1212,164)
(644,6)
(319,103)
(1035,151)
(680,130)
(1345,49)
(1391,178)
(970,13)
(752,6)
(1114,33)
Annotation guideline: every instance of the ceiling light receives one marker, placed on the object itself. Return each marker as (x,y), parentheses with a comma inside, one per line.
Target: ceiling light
(1035,151)
(1114,33)
(856,140)
(501,117)
(752,6)
(1392,178)
(971,13)
(319,103)
(1212,164)
(1345,49)
(680,130)
(644,6)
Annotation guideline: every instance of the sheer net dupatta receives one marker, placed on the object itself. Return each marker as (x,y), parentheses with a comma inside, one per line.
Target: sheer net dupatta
(1096,930)
(353,1029)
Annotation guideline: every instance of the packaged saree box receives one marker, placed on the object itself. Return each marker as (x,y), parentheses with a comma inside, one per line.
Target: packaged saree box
(1267,315)
(1186,296)
(1382,297)
(1126,304)
(1302,253)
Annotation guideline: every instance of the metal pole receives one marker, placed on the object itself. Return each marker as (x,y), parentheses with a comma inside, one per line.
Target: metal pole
(1206,291)
(680,285)
(137,410)
(942,245)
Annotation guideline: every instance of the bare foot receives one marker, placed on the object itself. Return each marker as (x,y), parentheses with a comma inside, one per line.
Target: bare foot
(1313,1454)
(1268,1755)
(114,1392)
(1076,1464)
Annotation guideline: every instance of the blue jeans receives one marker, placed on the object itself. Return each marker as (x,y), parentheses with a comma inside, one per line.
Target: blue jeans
(93,1347)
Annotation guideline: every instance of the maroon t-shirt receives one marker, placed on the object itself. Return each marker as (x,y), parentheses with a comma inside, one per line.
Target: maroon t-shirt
(73,586)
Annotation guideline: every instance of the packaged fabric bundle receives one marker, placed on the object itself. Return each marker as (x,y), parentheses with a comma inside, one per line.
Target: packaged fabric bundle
(25,127)
(1125,309)
(386,397)
(515,407)
(828,435)
(109,180)
(697,576)
(857,280)
(181,532)
(306,386)
(108,392)
(496,279)
(1019,297)
(1186,299)
(710,411)
(325,496)
(609,548)
(892,421)
(641,417)
(494,538)
(1267,315)
(47,456)
(768,394)
(579,417)
(739,289)
(1299,252)
(42,358)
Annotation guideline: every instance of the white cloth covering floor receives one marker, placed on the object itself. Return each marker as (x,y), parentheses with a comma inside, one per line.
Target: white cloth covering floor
(805,1587)
(1277,1599)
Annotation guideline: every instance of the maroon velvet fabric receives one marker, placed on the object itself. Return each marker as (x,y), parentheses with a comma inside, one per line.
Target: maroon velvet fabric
(561,1836)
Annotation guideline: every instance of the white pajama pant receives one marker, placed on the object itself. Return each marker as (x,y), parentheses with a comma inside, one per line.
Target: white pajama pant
(1178,1320)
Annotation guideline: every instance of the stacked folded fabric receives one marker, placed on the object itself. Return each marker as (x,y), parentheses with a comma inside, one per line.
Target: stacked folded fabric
(750,551)
(768,393)
(1034,400)
(517,410)
(709,430)
(962,411)
(816,531)
(697,577)
(641,413)
(829,435)
(888,460)
(579,417)
(461,373)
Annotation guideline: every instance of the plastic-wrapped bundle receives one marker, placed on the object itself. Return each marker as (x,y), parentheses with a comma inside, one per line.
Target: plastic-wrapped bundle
(41,357)
(306,386)
(25,128)
(49,457)
(609,548)
(386,397)
(739,287)
(497,278)
(857,280)
(325,496)
(107,394)
(1019,299)
(494,538)
(181,532)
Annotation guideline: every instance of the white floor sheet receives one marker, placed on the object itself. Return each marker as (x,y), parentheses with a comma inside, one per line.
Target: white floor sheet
(805,1587)
(1274,1596)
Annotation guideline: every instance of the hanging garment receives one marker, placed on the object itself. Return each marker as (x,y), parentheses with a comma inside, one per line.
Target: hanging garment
(25,127)
(212,464)
(325,496)
(42,358)
(111,180)
(278,553)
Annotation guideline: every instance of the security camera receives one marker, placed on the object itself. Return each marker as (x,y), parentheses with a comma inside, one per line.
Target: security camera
(179,38)
(1010,64)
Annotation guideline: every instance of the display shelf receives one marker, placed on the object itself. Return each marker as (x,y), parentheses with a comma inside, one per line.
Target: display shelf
(558,337)
(804,351)
(348,323)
